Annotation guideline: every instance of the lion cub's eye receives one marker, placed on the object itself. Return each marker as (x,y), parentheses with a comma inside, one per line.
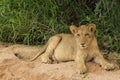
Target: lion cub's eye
(78,35)
(86,35)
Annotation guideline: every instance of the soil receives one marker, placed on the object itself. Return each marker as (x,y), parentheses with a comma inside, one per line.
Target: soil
(12,68)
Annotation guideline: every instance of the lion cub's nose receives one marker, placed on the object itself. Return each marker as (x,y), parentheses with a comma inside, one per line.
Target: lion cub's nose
(82,44)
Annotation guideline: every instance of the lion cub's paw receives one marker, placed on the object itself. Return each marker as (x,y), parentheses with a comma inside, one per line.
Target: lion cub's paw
(108,66)
(46,60)
(83,70)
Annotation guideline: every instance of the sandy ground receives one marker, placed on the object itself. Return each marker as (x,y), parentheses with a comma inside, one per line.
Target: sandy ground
(12,68)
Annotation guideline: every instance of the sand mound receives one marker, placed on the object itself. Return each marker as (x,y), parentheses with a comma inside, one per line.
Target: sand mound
(11,68)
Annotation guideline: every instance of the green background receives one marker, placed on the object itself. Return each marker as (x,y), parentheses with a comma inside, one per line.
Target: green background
(32,22)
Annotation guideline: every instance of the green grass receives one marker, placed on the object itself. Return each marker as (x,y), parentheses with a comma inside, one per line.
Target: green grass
(34,21)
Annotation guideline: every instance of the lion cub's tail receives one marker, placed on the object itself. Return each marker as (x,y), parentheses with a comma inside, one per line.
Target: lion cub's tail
(35,57)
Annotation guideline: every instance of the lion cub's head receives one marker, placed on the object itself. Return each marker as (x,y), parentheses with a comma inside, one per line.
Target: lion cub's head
(83,34)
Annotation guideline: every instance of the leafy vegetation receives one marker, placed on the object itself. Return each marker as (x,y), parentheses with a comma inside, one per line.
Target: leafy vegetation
(34,21)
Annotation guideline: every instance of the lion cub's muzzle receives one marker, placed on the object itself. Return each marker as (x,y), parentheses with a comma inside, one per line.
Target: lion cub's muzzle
(83,45)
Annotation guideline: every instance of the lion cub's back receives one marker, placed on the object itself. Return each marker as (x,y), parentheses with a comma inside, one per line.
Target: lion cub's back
(66,48)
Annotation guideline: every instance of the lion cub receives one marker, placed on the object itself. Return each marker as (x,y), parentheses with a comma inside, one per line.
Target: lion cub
(80,46)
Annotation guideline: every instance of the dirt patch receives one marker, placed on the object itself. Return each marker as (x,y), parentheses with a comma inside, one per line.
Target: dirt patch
(12,68)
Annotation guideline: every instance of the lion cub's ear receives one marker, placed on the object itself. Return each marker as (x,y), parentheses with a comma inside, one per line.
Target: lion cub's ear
(92,27)
(73,29)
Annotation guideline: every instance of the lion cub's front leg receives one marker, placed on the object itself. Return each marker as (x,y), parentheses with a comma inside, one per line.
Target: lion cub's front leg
(104,64)
(80,60)
(52,44)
